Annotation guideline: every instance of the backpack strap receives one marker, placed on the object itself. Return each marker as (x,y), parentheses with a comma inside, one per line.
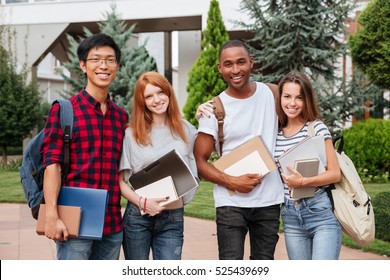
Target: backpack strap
(340,147)
(328,190)
(275,89)
(66,113)
(219,112)
(310,129)
(66,118)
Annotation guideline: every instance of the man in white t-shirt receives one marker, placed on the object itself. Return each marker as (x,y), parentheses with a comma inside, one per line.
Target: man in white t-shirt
(250,111)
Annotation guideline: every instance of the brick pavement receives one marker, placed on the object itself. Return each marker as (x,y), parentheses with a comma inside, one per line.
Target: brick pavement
(18,240)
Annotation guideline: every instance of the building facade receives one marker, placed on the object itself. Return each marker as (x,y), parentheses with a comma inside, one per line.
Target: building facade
(171,28)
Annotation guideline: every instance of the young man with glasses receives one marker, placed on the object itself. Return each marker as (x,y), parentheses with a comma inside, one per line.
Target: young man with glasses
(95,151)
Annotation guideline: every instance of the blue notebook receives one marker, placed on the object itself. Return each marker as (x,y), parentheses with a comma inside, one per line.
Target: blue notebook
(93,204)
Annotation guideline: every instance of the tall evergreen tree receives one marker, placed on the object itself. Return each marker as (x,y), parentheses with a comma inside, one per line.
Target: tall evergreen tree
(370,51)
(134,62)
(18,99)
(205,81)
(303,35)
(306,36)
(370,46)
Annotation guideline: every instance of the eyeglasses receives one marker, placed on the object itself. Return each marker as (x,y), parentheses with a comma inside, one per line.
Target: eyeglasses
(109,61)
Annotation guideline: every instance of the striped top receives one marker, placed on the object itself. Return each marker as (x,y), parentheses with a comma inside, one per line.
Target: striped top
(284,143)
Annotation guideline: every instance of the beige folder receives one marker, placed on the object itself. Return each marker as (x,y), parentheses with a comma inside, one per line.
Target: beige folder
(70,215)
(251,157)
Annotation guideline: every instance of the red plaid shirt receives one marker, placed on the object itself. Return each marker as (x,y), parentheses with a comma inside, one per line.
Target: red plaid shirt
(95,150)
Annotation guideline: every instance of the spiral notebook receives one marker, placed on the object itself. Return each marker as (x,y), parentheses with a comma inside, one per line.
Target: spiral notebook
(251,157)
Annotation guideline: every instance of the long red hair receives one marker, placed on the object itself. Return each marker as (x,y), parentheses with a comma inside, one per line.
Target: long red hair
(142,118)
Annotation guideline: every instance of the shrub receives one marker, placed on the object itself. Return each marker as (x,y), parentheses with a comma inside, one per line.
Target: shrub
(382,215)
(12,151)
(367,144)
(12,165)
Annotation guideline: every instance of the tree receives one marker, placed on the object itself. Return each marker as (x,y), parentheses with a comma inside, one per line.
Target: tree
(205,80)
(306,36)
(303,35)
(370,46)
(365,92)
(134,62)
(336,108)
(18,99)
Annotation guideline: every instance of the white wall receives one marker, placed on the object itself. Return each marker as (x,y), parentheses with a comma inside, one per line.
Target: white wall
(189,49)
(93,10)
(155,46)
(39,24)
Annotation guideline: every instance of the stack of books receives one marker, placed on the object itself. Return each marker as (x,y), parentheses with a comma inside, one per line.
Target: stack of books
(169,176)
(308,157)
(83,211)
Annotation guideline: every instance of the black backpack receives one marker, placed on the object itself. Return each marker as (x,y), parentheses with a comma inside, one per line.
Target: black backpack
(32,170)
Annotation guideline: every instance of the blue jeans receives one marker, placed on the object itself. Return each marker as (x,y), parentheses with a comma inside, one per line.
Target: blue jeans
(233,224)
(84,249)
(311,229)
(162,233)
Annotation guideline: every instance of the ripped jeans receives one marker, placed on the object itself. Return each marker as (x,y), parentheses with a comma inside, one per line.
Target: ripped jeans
(162,233)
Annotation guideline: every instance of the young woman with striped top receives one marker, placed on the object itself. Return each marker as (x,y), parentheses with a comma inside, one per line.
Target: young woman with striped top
(310,227)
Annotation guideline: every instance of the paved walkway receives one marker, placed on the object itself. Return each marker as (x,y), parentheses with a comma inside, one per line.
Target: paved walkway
(18,240)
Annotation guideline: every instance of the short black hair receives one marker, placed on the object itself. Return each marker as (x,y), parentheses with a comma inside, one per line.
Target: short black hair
(95,41)
(233,44)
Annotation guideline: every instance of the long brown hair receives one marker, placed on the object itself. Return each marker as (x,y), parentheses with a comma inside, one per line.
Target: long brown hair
(310,112)
(142,118)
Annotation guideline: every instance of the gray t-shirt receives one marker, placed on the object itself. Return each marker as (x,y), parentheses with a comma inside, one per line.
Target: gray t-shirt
(135,157)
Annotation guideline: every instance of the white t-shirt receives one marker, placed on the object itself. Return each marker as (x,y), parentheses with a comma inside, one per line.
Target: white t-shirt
(246,118)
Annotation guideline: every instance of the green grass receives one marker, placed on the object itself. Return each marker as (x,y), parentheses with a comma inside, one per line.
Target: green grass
(10,187)
(378,247)
(374,189)
(201,207)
